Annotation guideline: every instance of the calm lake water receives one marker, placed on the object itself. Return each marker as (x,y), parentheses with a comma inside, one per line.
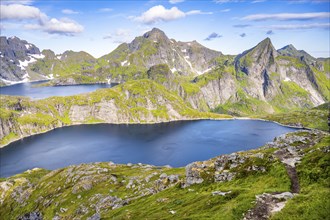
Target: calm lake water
(28,89)
(174,143)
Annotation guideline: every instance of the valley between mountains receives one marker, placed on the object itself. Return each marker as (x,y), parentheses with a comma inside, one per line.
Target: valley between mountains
(162,80)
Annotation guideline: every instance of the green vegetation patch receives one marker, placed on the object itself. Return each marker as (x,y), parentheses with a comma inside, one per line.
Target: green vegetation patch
(312,118)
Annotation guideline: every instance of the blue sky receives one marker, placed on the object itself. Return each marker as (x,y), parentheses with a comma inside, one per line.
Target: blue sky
(229,26)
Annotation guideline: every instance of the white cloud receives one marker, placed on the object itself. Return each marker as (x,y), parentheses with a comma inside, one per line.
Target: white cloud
(287,16)
(20,12)
(225,10)
(198,12)
(160,14)
(105,9)
(69,12)
(62,26)
(176,1)
(299,26)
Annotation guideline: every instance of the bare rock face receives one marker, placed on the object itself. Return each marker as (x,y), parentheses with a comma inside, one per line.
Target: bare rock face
(193,174)
(31,216)
(214,93)
(257,63)
(268,72)
(14,52)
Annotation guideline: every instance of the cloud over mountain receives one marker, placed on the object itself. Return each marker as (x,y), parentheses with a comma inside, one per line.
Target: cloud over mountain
(160,14)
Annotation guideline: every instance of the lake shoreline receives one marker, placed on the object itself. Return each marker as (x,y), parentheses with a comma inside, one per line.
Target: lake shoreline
(175,143)
(152,123)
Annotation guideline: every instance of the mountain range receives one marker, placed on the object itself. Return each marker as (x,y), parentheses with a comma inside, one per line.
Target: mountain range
(257,81)
(162,80)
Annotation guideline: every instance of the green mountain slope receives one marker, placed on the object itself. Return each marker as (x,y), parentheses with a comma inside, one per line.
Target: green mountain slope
(140,101)
(261,81)
(316,118)
(258,81)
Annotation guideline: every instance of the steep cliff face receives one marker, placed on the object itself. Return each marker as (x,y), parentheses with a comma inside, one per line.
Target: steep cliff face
(279,80)
(141,101)
(256,65)
(221,88)
(256,82)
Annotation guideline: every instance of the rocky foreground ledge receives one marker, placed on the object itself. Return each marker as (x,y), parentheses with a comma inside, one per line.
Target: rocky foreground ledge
(273,181)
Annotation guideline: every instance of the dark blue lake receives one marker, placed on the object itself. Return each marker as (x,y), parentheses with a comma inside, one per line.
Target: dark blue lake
(29,89)
(174,143)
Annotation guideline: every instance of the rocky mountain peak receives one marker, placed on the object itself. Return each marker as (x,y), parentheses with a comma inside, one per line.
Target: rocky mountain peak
(261,55)
(291,51)
(288,50)
(266,46)
(257,63)
(15,48)
(78,56)
(289,47)
(15,55)
(155,34)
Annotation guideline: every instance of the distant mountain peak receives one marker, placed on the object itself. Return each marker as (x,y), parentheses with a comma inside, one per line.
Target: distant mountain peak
(290,50)
(289,47)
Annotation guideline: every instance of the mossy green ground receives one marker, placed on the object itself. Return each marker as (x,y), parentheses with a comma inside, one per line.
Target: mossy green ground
(316,118)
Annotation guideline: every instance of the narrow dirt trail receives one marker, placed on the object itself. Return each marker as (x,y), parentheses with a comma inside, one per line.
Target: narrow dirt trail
(293,175)
(289,153)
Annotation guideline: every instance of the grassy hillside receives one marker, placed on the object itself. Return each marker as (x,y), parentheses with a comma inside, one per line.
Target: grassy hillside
(141,101)
(316,118)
